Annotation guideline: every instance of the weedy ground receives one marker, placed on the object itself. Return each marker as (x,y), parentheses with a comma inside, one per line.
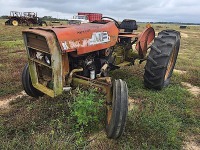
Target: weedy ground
(167,119)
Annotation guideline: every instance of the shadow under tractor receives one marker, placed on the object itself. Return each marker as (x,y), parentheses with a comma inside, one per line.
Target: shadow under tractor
(27,18)
(63,57)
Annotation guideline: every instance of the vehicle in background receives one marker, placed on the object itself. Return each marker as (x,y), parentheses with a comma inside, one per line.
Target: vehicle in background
(83,17)
(26,18)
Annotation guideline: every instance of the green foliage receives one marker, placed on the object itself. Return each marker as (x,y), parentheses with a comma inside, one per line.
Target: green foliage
(86,108)
(88,112)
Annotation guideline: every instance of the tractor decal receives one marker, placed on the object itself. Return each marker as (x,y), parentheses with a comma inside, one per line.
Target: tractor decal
(99,38)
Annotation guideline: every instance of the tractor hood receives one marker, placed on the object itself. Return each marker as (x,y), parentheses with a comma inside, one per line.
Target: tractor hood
(83,38)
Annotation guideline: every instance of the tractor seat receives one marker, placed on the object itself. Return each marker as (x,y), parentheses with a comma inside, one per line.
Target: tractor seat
(128,25)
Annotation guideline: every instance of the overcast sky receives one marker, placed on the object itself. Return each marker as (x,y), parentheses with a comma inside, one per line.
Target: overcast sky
(140,10)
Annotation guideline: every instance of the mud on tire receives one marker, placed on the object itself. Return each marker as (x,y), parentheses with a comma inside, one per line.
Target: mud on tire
(27,84)
(116,116)
(162,59)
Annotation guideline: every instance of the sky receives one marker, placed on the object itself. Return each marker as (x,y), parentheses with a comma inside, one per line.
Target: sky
(185,11)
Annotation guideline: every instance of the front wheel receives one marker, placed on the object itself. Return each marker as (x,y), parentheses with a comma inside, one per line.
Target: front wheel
(27,84)
(15,22)
(43,24)
(162,59)
(117,111)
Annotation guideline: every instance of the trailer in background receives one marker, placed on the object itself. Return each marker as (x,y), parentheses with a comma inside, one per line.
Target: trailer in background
(91,16)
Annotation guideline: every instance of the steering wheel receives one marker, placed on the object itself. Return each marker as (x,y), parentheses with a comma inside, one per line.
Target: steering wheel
(116,22)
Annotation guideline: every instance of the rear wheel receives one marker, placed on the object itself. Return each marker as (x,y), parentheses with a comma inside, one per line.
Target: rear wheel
(15,22)
(162,59)
(30,24)
(27,84)
(117,111)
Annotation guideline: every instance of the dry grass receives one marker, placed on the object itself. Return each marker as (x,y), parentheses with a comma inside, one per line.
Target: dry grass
(13,58)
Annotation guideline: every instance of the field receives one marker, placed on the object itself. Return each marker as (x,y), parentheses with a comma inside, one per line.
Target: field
(167,119)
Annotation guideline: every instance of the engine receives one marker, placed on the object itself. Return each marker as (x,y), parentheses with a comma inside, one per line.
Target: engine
(92,63)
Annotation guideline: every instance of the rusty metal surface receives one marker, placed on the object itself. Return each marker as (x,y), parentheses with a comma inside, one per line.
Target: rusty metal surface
(144,39)
(56,62)
(37,42)
(71,74)
(84,38)
(65,66)
(127,35)
(101,85)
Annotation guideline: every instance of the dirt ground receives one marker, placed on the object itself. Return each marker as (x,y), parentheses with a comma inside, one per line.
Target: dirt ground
(4,102)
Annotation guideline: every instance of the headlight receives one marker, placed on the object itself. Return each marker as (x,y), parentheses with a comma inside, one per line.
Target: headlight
(47,59)
(39,55)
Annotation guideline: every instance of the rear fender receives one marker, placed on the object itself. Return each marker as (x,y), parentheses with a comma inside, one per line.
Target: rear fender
(144,39)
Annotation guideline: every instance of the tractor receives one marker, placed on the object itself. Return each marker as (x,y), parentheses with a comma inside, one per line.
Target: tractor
(26,18)
(63,57)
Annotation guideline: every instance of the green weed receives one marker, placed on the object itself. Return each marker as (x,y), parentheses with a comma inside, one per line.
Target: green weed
(88,112)
(86,108)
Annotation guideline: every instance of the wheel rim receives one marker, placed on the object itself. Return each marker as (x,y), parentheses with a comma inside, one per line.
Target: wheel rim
(44,25)
(109,106)
(15,23)
(109,114)
(170,63)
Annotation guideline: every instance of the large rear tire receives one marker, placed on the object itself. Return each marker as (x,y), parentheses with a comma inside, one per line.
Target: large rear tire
(162,59)
(117,112)
(27,84)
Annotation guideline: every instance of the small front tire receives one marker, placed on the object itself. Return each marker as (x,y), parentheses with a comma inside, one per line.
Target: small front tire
(27,84)
(117,111)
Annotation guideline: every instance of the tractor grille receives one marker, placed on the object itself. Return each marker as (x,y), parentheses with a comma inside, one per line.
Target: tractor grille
(39,54)
(37,42)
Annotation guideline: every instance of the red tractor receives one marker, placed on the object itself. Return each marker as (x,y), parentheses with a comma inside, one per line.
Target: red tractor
(83,54)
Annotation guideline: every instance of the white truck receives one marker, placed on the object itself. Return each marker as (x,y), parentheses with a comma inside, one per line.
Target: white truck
(79,19)
(84,17)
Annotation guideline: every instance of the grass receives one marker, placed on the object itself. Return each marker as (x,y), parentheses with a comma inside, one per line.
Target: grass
(159,120)
(50,123)
(13,58)
(162,118)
